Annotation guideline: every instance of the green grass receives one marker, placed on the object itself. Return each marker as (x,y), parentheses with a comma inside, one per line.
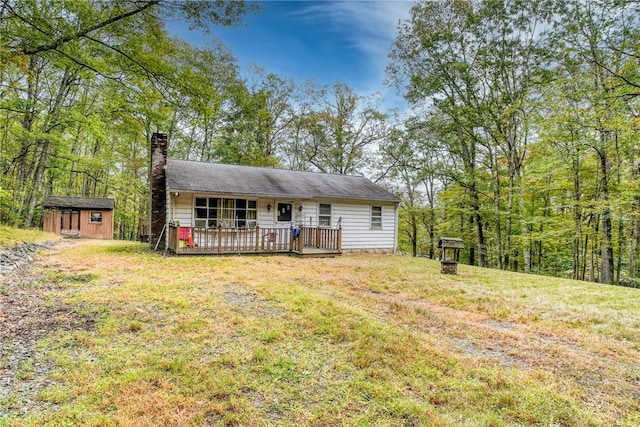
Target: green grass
(10,236)
(362,340)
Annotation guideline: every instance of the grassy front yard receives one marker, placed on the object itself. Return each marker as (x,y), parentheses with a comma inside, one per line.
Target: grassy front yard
(356,340)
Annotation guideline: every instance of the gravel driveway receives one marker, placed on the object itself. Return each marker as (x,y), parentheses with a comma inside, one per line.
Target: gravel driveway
(29,312)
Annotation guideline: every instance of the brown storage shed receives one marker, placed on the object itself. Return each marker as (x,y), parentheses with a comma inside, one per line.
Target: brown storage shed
(85,217)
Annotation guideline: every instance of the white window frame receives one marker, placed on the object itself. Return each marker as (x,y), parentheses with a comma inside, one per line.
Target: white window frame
(96,221)
(226,212)
(209,222)
(325,216)
(377,225)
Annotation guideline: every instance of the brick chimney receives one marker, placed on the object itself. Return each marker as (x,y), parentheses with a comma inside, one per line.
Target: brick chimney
(158,193)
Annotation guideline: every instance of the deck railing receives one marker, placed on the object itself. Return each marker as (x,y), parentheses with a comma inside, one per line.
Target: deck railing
(195,240)
(322,238)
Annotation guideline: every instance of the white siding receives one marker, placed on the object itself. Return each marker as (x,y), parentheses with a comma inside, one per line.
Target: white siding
(266,217)
(356,226)
(308,217)
(181,209)
(357,234)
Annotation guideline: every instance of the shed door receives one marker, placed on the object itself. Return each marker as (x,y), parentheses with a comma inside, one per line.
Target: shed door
(70,222)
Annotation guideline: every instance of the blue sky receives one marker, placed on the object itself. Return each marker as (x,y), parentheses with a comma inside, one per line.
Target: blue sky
(325,41)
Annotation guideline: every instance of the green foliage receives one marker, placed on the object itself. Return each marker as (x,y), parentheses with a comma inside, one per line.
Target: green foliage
(11,236)
(85,83)
(338,137)
(524,142)
(532,108)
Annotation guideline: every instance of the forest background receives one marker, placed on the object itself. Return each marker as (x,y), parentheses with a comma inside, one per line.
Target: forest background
(522,136)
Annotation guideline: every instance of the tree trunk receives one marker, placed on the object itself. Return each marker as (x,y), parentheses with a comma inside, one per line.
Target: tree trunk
(634,242)
(524,229)
(621,242)
(507,225)
(38,178)
(432,233)
(414,236)
(472,249)
(577,216)
(496,207)
(430,186)
(475,205)
(592,263)
(584,258)
(50,122)
(633,247)
(606,248)
(468,149)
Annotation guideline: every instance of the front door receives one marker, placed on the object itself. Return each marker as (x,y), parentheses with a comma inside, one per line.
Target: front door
(284,213)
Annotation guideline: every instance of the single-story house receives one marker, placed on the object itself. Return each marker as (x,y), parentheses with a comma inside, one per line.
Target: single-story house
(86,217)
(221,208)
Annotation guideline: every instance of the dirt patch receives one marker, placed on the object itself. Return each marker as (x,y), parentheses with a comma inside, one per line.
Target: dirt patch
(248,302)
(28,314)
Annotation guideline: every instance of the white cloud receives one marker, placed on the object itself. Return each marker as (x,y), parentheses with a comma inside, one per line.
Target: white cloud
(372,24)
(369,27)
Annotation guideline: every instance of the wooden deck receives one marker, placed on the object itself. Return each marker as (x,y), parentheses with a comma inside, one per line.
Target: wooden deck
(310,252)
(304,241)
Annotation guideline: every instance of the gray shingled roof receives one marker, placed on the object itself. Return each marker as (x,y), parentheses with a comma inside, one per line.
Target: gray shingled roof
(78,202)
(183,175)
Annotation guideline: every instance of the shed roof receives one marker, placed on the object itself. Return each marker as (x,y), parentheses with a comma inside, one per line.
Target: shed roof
(78,202)
(218,178)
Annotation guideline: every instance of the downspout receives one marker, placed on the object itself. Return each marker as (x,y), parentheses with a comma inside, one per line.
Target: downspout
(168,213)
(395,228)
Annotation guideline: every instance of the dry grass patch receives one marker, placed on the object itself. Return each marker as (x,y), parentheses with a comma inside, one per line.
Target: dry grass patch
(366,340)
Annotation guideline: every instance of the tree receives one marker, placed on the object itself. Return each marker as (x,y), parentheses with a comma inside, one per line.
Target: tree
(55,54)
(258,121)
(30,30)
(590,32)
(339,138)
(478,64)
(399,159)
(413,159)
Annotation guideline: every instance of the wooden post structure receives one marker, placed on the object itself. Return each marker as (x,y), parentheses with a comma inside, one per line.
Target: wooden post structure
(257,245)
(291,238)
(300,242)
(449,254)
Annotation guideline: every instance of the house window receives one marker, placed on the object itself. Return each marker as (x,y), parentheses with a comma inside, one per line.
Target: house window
(227,213)
(212,212)
(376,217)
(284,212)
(246,213)
(95,218)
(206,212)
(324,215)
